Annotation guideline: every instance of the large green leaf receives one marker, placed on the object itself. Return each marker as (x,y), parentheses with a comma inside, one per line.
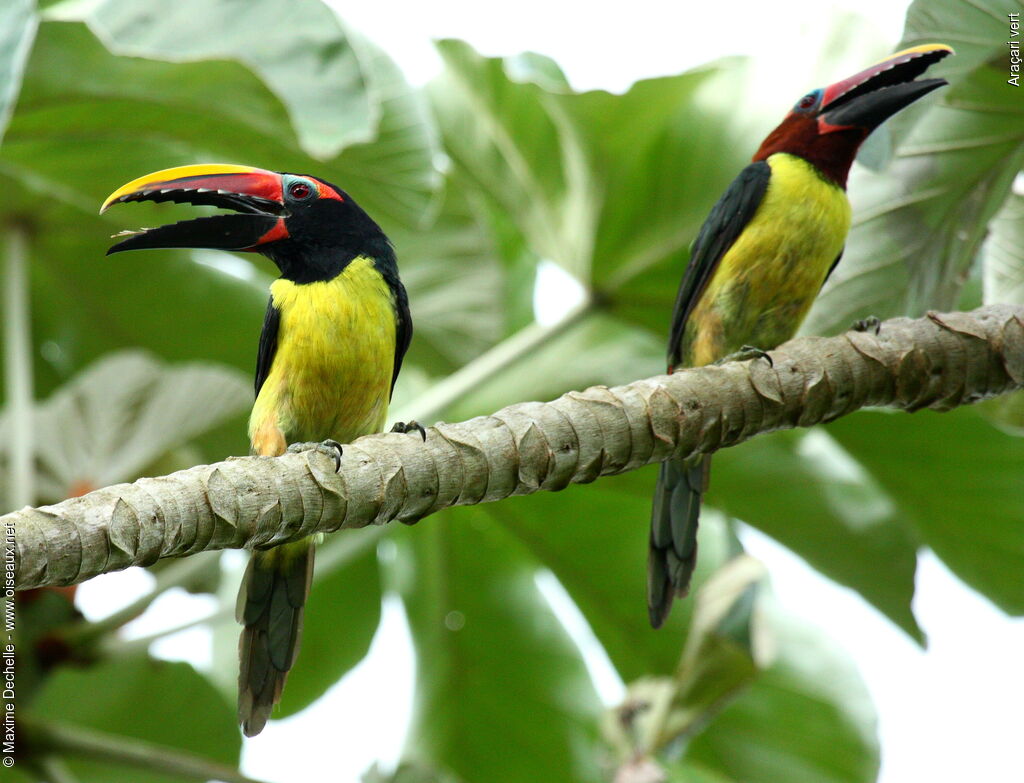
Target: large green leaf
(17,29)
(919,223)
(807,719)
(304,56)
(502,693)
(664,150)
(37,614)
(1003,281)
(597,349)
(160,702)
(681,772)
(132,115)
(499,130)
(804,492)
(957,479)
(612,188)
(342,93)
(593,539)
(122,414)
(80,138)
(965,25)
(724,649)
(1004,254)
(456,284)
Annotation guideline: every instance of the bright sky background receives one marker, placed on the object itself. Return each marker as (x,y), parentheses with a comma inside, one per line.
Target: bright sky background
(948,715)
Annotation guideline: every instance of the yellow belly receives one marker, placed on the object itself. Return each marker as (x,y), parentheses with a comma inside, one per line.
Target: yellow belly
(331,374)
(766,282)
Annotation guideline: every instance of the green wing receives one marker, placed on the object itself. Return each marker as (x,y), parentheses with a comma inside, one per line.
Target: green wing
(724,224)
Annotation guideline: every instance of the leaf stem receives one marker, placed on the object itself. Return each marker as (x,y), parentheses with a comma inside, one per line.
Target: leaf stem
(18,370)
(113,646)
(526,341)
(336,553)
(65,739)
(176,574)
(55,770)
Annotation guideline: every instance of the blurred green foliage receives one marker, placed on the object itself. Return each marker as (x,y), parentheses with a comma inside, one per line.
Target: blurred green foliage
(493,169)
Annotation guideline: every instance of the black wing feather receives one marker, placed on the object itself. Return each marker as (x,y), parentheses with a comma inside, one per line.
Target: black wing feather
(268,344)
(403,327)
(722,227)
(383,255)
(832,268)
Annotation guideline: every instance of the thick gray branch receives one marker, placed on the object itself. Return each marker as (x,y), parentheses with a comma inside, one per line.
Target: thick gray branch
(938,362)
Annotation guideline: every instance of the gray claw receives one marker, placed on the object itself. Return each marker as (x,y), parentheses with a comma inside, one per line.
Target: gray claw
(745,353)
(330,448)
(410,426)
(870,323)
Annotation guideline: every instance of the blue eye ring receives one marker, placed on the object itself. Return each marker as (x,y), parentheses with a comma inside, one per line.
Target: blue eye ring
(299,189)
(809,102)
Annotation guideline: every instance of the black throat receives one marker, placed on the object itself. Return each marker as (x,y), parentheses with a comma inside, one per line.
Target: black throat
(304,263)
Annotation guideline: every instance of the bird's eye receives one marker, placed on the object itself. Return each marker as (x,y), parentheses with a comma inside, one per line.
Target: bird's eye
(808,102)
(300,190)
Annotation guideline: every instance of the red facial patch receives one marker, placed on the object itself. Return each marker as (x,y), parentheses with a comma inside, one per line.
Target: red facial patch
(326,191)
(279,231)
(827,127)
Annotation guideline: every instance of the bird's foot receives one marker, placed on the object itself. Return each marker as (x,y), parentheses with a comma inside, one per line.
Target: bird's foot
(871,323)
(410,426)
(330,448)
(746,353)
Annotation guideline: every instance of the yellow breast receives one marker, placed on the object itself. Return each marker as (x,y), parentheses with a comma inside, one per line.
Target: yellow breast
(331,374)
(765,283)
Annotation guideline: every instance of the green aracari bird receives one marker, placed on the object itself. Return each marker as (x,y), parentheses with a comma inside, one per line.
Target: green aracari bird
(760,260)
(336,329)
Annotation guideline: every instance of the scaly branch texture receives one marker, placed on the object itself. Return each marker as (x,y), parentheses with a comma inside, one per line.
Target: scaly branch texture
(938,362)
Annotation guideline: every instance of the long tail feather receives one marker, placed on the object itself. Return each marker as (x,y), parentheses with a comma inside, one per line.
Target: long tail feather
(673,548)
(270,607)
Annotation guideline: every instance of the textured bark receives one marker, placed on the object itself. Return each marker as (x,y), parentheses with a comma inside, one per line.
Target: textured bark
(938,362)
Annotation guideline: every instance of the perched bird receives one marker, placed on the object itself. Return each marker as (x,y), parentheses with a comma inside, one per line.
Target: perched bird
(759,261)
(336,329)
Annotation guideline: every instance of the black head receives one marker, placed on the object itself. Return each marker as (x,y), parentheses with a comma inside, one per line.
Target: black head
(310,228)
